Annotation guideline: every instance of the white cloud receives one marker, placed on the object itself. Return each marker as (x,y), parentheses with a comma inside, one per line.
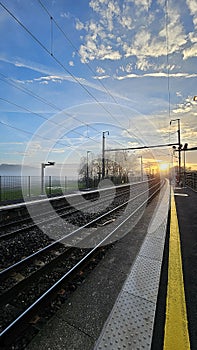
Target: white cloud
(144,4)
(188,106)
(190,52)
(156,75)
(12,143)
(176,34)
(147,43)
(192,37)
(19,62)
(79,25)
(126,22)
(102,77)
(130,30)
(100,70)
(65,15)
(91,52)
(143,64)
(129,68)
(108,10)
(58,150)
(53,78)
(192,5)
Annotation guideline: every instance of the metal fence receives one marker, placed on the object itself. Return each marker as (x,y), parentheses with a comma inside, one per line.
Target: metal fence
(19,188)
(191,180)
(14,188)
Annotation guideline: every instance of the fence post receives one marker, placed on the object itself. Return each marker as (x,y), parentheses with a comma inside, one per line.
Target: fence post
(50,184)
(65,184)
(29,186)
(0,189)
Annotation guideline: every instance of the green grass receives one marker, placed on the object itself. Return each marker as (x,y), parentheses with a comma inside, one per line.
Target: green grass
(14,194)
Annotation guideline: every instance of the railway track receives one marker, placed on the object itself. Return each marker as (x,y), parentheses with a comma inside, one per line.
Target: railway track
(32,282)
(10,227)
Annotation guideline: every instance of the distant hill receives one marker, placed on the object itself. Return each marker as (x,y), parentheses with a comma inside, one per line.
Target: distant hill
(68,170)
(16,170)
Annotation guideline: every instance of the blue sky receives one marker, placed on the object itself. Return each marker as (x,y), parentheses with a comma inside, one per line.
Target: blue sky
(84,67)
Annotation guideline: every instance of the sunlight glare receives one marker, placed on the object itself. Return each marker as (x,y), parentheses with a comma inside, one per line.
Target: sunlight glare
(164,166)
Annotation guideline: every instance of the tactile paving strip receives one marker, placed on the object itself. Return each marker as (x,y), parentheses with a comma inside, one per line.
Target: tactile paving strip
(152,248)
(143,280)
(130,324)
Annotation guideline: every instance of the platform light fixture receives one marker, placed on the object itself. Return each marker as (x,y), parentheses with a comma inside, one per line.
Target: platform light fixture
(43,166)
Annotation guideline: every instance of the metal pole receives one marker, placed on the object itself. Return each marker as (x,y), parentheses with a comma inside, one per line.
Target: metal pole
(179,147)
(0,189)
(179,142)
(87,173)
(184,178)
(50,185)
(29,186)
(141,167)
(103,154)
(43,165)
(42,178)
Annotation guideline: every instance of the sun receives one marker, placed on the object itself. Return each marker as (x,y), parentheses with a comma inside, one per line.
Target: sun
(163,166)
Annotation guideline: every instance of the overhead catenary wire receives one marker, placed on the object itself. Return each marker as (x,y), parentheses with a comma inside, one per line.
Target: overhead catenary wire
(55,59)
(62,66)
(167,63)
(90,68)
(76,49)
(41,116)
(10,82)
(37,135)
(43,100)
(29,92)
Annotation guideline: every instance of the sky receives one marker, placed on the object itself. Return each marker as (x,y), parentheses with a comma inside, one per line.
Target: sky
(70,70)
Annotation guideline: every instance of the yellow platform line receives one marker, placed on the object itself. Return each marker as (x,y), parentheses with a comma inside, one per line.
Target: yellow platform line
(176,336)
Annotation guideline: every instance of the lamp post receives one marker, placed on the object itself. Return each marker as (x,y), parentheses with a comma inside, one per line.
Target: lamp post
(43,166)
(184,162)
(87,172)
(179,146)
(103,153)
(141,165)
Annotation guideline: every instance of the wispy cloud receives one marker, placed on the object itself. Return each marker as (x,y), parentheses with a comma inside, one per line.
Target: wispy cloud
(188,105)
(12,143)
(54,77)
(19,62)
(156,75)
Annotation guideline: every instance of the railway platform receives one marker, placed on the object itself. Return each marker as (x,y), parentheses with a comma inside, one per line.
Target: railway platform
(142,295)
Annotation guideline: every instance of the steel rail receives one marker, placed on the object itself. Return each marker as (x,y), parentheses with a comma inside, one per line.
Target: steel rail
(39,252)
(9,234)
(54,287)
